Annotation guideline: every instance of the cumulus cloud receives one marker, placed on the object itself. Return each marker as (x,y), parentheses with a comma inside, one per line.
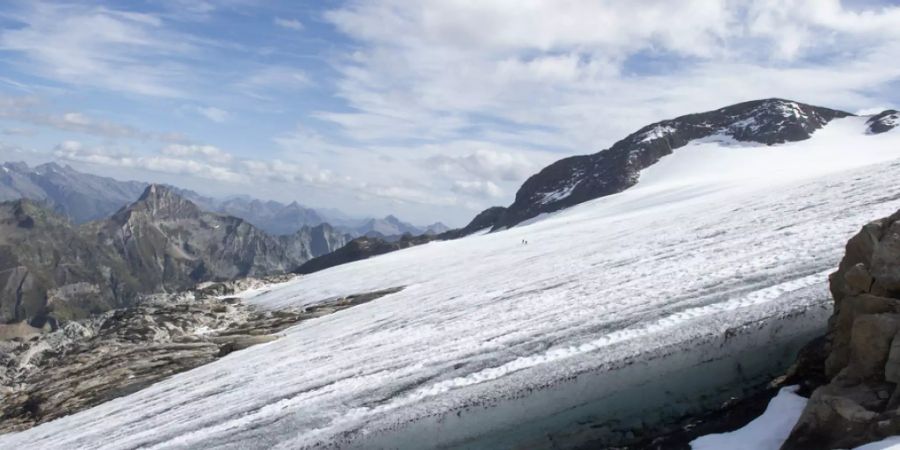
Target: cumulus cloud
(209,152)
(477,189)
(170,163)
(443,70)
(486,164)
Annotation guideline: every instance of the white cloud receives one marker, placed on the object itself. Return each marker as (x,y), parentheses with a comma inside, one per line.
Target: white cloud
(487,165)
(262,82)
(214,114)
(170,163)
(447,70)
(26,109)
(209,152)
(477,188)
(98,47)
(291,24)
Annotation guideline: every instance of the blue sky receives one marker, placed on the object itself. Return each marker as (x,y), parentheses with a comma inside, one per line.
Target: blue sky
(432,110)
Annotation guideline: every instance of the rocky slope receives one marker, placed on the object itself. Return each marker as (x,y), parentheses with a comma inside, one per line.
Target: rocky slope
(51,269)
(578,179)
(884,122)
(273,217)
(857,365)
(362,248)
(170,243)
(88,362)
(311,242)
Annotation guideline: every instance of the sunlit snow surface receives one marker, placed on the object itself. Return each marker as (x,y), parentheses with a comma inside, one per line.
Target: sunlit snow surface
(771,429)
(766,432)
(712,237)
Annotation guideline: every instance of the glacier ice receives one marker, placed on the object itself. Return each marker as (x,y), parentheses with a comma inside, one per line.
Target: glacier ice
(711,268)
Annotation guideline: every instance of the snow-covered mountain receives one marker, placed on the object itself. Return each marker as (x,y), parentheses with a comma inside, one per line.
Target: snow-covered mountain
(618,313)
(578,179)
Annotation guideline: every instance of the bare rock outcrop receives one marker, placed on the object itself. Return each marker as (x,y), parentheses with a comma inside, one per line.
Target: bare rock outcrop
(859,361)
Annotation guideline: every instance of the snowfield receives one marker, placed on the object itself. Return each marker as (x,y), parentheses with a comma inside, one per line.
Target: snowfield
(618,313)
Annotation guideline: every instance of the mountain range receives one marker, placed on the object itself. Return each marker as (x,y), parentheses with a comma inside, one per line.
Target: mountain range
(52,269)
(85,197)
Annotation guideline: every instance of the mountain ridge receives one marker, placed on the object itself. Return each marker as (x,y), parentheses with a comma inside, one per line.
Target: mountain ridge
(53,269)
(580,178)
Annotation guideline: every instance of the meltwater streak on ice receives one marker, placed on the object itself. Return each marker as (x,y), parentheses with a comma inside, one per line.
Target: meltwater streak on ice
(692,250)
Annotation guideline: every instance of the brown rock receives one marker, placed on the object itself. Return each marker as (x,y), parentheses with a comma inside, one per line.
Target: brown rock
(830,421)
(870,343)
(892,367)
(857,279)
(842,324)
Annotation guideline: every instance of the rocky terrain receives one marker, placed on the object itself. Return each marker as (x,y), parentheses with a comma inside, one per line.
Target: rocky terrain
(578,179)
(51,269)
(271,216)
(884,122)
(853,373)
(80,196)
(362,248)
(88,362)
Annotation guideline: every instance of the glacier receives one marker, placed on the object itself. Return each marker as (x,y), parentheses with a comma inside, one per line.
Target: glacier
(618,314)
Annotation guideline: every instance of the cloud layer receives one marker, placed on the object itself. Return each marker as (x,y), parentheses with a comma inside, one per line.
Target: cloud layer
(433,109)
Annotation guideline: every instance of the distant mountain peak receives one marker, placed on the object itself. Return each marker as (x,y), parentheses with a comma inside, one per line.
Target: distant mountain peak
(160,201)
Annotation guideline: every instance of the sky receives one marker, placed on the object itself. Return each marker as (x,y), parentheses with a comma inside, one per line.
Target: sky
(431,110)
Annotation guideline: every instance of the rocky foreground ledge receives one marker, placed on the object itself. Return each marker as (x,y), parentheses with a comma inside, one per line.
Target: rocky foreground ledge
(85,363)
(853,373)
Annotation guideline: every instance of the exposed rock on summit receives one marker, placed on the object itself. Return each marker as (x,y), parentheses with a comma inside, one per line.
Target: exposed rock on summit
(577,179)
(884,121)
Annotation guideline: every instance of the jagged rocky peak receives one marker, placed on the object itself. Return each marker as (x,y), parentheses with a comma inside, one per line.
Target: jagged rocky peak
(883,122)
(581,178)
(160,201)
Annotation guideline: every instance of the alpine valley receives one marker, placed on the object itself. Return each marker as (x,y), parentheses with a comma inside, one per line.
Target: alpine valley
(630,298)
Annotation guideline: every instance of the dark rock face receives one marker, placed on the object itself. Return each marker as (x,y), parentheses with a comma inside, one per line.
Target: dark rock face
(171,244)
(51,269)
(47,266)
(577,179)
(272,217)
(310,242)
(884,121)
(362,248)
(859,363)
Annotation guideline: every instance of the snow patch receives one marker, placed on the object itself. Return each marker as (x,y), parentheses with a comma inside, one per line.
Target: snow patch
(559,194)
(766,432)
(657,132)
